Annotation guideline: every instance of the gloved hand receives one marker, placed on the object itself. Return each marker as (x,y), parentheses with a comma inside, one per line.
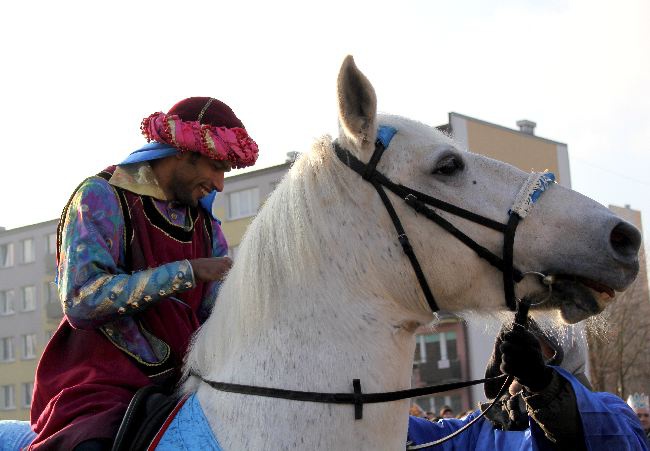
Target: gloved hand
(521,357)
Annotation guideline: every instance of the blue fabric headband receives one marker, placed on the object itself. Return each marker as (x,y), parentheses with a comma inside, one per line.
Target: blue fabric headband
(151,151)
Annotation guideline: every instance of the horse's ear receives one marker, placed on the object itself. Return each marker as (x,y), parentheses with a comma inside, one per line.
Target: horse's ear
(357,106)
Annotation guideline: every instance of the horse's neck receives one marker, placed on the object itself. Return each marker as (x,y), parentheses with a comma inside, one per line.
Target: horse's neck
(322,350)
(298,312)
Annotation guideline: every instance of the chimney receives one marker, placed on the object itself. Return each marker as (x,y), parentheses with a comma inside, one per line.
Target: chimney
(526,126)
(292,156)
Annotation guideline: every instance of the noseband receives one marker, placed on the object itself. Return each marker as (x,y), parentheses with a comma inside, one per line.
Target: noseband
(535,185)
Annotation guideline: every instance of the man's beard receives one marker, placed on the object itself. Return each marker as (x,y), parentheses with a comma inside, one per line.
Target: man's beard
(183,194)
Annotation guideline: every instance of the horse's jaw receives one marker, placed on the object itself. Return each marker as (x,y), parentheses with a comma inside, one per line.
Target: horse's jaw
(320,353)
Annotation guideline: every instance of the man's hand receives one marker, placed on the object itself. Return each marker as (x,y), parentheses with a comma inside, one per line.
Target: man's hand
(521,357)
(210,269)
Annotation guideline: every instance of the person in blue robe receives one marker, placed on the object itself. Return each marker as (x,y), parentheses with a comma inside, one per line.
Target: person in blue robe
(546,407)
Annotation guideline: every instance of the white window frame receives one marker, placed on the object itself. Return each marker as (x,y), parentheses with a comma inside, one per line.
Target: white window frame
(32,299)
(6,255)
(7,302)
(28,390)
(8,394)
(236,207)
(7,353)
(420,343)
(29,251)
(29,346)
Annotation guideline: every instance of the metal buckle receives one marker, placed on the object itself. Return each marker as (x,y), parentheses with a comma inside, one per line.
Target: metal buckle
(547,280)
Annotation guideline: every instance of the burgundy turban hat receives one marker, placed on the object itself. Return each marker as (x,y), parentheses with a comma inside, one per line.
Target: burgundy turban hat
(197,124)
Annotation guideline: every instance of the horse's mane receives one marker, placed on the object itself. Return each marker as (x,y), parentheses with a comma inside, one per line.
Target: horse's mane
(281,244)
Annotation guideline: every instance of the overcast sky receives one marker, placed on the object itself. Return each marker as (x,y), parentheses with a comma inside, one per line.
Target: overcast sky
(78,77)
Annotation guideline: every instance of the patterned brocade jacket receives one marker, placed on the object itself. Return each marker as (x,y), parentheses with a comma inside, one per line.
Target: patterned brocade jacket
(96,290)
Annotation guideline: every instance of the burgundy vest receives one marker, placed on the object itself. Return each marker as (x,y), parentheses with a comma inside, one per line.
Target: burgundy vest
(84,382)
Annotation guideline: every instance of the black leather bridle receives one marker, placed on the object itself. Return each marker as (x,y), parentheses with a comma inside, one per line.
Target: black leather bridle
(422,204)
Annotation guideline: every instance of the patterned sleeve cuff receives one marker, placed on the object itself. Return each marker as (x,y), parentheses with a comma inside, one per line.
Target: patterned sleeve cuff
(190,272)
(181,278)
(110,297)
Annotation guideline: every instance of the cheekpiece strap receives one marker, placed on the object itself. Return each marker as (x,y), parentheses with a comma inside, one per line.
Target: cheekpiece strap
(384,136)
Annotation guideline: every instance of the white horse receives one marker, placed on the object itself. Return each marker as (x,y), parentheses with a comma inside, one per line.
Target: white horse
(322,292)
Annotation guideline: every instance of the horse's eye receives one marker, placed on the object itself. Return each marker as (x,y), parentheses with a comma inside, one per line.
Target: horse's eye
(448,165)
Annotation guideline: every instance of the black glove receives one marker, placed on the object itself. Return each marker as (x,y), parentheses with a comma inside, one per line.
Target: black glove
(521,357)
(491,388)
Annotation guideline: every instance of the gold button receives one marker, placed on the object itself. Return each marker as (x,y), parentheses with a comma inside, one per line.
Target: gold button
(134,305)
(176,286)
(188,284)
(121,310)
(147,298)
(162,292)
(174,216)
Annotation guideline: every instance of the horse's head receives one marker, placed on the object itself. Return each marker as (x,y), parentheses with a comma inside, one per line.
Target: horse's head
(589,252)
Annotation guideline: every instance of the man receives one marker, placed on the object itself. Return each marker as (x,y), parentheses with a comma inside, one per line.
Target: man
(640,403)
(446,412)
(546,408)
(140,258)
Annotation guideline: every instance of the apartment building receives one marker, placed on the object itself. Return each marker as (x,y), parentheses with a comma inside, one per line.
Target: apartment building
(29,311)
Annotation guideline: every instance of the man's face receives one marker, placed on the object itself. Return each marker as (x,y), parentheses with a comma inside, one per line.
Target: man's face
(644,418)
(196,176)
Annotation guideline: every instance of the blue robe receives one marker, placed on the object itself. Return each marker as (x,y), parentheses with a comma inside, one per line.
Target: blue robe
(608,424)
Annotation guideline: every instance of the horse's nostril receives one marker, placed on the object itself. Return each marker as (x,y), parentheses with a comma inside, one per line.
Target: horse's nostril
(625,239)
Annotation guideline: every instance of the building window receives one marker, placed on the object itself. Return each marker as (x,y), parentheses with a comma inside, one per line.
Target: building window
(28,389)
(440,348)
(6,255)
(51,244)
(8,401)
(29,346)
(29,298)
(52,293)
(242,204)
(7,349)
(28,251)
(6,302)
